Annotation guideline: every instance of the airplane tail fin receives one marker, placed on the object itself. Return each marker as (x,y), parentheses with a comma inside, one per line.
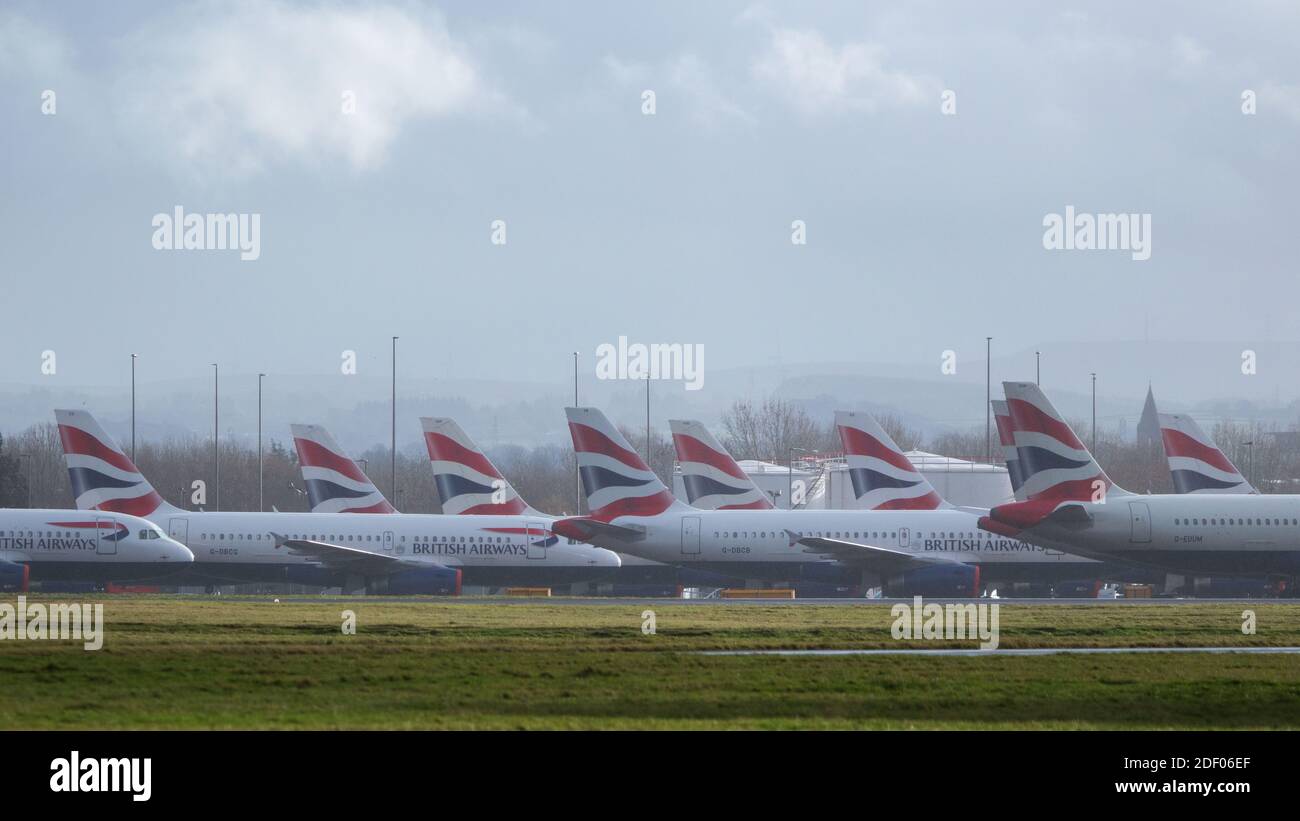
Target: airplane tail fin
(335,483)
(102,476)
(1196,464)
(1054,464)
(616,481)
(467,481)
(712,478)
(883,478)
(1007,440)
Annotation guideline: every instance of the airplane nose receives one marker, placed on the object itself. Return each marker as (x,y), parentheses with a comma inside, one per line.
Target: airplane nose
(608,558)
(181,553)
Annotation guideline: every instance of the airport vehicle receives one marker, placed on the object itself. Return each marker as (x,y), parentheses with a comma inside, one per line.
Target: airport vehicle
(1071,504)
(932,550)
(1196,464)
(358,551)
(73,545)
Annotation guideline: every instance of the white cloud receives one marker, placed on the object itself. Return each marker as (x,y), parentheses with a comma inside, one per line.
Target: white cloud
(31,50)
(818,78)
(706,102)
(1283,98)
(1190,51)
(624,73)
(228,88)
(683,83)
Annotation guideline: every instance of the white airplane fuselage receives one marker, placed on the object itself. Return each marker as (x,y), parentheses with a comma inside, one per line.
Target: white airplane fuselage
(489,550)
(754,543)
(1232,534)
(65,545)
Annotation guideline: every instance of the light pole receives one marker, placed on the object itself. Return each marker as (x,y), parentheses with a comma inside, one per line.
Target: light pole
(647,420)
(393,441)
(216,433)
(988,397)
(1250,463)
(133,358)
(577,473)
(789,464)
(1038,368)
(1094,416)
(260,505)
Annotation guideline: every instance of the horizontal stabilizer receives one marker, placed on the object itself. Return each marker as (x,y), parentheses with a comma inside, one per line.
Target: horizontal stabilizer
(587,529)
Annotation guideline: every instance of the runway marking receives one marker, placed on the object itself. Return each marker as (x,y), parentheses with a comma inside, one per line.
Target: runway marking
(1008,651)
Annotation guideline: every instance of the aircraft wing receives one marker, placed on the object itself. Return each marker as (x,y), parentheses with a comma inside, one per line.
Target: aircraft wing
(871,557)
(341,557)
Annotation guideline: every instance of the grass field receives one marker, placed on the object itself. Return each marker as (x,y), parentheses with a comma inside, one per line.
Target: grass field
(197,662)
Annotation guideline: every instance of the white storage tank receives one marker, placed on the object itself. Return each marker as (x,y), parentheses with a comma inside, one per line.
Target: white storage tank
(826,482)
(774,480)
(958,481)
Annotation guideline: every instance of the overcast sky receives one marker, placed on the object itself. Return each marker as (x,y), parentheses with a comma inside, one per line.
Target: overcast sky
(924,230)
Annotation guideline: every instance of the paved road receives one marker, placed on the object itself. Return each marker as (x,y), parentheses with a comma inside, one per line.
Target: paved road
(1024,651)
(652,602)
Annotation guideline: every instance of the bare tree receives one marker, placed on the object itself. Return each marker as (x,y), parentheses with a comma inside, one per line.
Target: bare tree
(905,437)
(770,430)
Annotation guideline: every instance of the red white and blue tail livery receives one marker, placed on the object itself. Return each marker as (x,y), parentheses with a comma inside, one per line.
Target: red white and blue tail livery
(1195,463)
(1055,467)
(1007,440)
(467,481)
(1054,463)
(335,483)
(102,476)
(883,478)
(712,478)
(616,481)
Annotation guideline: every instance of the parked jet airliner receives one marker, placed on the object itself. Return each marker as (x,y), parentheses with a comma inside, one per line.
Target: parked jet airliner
(633,512)
(1071,504)
(336,483)
(883,479)
(470,485)
(72,545)
(359,551)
